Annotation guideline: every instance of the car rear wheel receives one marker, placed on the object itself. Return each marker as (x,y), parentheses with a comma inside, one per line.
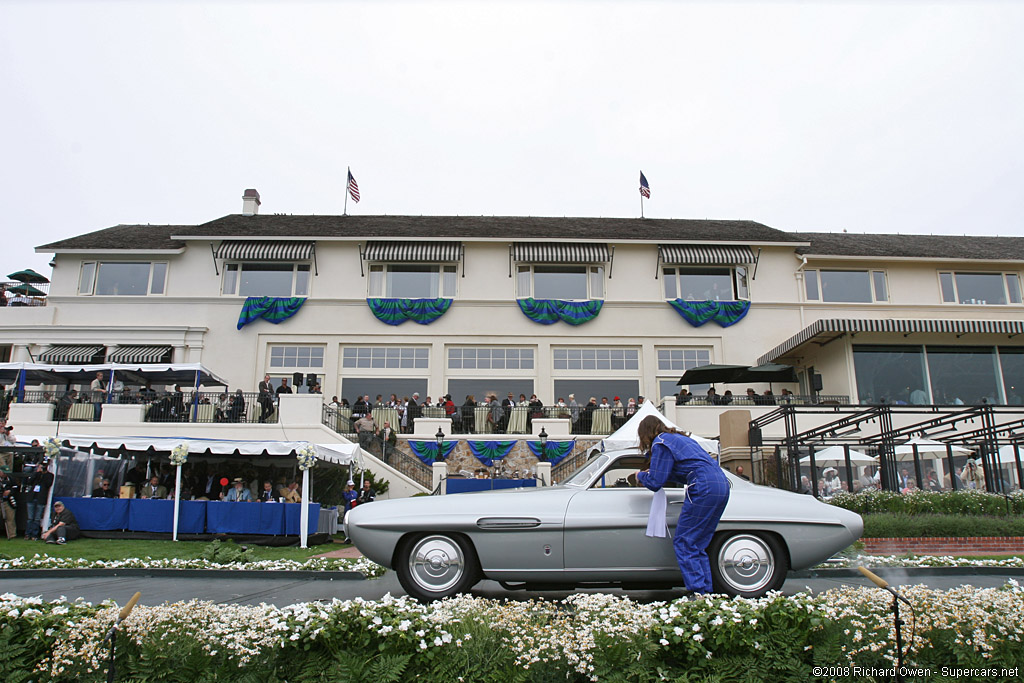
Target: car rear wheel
(747,564)
(436,566)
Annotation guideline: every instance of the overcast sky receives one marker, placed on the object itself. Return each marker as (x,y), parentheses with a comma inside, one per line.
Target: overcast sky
(869,117)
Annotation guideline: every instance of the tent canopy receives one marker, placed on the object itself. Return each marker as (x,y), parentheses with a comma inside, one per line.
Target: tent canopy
(626,435)
(129,373)
(835,455)
(927,446)
(28,275)
(337,453)
(738,374)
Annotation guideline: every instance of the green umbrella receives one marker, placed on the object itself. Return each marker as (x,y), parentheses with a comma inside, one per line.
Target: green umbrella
(28,275)
(26,289)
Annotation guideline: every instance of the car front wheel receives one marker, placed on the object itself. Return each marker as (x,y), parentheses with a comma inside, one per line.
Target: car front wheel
(747,564)
(436,566)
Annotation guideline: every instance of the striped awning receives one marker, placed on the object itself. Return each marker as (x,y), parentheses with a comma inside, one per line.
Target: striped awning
(64,354)
(138,354)
(413,252)
(265,251)
(838,326)
(705,254)
(546,252)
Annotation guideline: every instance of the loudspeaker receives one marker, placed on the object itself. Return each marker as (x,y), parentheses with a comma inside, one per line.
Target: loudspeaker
(310,380)
(816,381)
(754,437)
(297,379)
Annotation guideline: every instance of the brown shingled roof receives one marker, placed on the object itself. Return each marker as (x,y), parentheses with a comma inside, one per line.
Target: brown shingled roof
(122,237)
(912,246)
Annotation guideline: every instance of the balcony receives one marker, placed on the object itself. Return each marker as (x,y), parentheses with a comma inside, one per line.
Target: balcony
(22,294)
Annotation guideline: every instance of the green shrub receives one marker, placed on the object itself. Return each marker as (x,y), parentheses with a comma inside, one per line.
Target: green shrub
(927,502)
(227,552)
(889,525)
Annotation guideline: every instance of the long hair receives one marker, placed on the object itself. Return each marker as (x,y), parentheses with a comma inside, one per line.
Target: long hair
(649,429)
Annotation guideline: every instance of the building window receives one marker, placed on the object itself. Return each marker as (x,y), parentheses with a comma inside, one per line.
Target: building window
(706,284)
(412,281)
(672,363)
(846,286)
(296,357)
(266,279)
(560,282)
(596,359)
(378,357)
(121,278)
(980,288)
(489,359)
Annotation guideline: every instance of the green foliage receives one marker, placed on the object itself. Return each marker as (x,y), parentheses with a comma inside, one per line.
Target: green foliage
(886,525)
(227,552)
(928,502)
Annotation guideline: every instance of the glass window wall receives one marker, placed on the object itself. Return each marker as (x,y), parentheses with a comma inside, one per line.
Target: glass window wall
(890,374)
(963,375)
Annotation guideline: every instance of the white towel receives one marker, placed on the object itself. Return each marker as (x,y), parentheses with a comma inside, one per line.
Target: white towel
(657,525)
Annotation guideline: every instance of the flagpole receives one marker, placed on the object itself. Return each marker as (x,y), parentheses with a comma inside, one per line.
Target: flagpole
(641,205)
(348,173)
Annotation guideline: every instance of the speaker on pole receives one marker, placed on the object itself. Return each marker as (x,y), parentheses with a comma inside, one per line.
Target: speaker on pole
(297,379)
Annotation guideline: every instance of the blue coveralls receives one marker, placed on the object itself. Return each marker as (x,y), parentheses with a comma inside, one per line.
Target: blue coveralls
(675,457)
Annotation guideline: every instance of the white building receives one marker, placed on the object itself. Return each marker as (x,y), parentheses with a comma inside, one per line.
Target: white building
(880,318)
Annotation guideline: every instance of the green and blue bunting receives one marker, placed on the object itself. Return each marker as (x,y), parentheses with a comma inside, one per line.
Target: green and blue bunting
(275,309)
(397,311)
(555,452)
(489,451)
(428,451)
(550,311)
(725,313)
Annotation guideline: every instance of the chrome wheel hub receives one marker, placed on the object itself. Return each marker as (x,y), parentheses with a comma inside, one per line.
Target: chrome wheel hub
(746,563)
(436,563)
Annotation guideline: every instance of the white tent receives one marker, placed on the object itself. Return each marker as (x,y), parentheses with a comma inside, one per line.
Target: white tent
(337,453)
(926,448)
(834,456)
(626,435)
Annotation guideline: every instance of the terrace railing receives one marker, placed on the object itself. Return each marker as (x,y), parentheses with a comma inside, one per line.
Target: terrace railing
(396,455)
(14,293)
(186,406)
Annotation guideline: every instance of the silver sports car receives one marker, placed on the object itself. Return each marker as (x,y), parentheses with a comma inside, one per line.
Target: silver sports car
(590,532)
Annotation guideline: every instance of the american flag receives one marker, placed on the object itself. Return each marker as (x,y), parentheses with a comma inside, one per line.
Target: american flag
(353,188)
(645,189)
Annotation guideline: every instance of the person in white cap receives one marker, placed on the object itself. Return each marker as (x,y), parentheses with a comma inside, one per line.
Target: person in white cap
(350,495)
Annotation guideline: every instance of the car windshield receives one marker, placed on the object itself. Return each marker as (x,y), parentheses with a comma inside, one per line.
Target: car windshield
(580,477)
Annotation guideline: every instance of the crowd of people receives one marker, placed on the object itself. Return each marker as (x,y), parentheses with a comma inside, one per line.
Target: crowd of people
(969,477)
(202,482)
(712,397)
(464,416)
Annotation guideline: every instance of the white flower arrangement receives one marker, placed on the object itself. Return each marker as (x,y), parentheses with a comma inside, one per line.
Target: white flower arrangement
(369,569)
(51,447)
(306,457)
(179,454)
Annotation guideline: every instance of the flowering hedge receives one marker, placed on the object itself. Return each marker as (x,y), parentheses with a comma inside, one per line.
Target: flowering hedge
(585,637)
(967,502)
(366,567)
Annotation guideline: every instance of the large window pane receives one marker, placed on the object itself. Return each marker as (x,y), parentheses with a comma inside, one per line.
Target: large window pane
(625,389)
(1012,360)
(671,289)
(123,279)
(410,281)
(706,284)
(450,281)
(266,279)
(560,282)
(1013,287)
(889,374)
(980,288)
(963,375)
(478,388)
(845,286)
(354,387)
(302,280)
(881,291)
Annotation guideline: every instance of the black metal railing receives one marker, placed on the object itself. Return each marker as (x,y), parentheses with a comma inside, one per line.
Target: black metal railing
(184,406)
(391,451)
(13,293)
(763,400)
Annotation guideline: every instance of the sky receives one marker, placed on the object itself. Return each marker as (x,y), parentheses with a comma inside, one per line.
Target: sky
(868,117)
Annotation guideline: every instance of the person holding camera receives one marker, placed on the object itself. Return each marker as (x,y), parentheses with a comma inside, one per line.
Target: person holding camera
(8,504)
(37,488)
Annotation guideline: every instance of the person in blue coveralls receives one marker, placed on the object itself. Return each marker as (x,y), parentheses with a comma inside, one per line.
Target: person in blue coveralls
(677,457)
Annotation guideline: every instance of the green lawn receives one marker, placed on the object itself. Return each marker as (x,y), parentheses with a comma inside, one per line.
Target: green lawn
(117,549)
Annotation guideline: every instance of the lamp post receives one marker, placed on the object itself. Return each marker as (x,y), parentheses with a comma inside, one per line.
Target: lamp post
(440,439)
(543,436)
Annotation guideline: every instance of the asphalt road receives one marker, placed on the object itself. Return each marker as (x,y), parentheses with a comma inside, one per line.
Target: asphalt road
(283,590)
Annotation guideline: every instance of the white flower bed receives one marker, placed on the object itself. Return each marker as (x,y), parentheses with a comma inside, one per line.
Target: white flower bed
(923,561)
(361,564)
(573,634)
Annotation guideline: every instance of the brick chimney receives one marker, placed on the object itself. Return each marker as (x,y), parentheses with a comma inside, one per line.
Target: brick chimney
(250,203)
